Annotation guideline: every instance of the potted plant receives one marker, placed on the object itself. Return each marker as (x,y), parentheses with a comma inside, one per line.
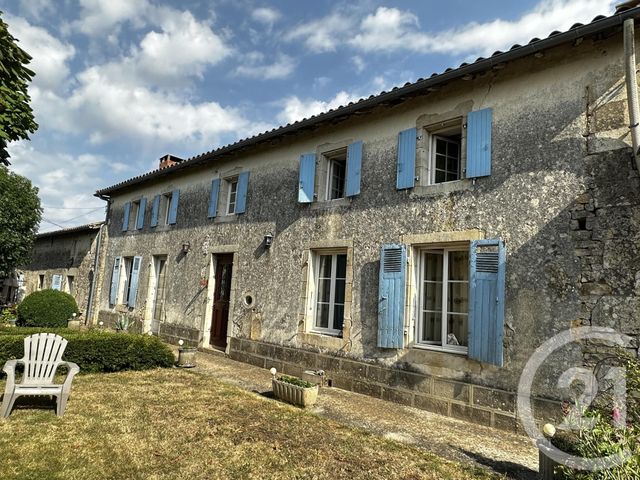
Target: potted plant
(186,355)
(293,390)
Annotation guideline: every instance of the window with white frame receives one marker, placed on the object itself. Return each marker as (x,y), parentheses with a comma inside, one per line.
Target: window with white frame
(445,158)
(336,173)
(133,214)
(232,195)
(165,206)
(329,272)
(442,320)
(125,279)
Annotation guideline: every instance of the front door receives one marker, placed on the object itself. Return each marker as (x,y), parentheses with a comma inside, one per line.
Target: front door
(221,296)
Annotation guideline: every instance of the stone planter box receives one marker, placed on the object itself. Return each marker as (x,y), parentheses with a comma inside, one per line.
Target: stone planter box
(187,357)
(300,396)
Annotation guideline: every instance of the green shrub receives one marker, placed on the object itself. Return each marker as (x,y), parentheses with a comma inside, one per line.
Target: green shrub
(24,331)
(46,308)
(296,381)
(7,315)
(96,351)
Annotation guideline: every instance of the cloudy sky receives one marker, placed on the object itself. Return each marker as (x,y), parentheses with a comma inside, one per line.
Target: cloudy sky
(119,83)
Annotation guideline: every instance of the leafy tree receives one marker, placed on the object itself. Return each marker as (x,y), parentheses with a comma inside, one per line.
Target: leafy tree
(20,214)
(16,116)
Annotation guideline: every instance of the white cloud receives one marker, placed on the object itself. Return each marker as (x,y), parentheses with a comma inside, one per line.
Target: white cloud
(37,8)
(358,63)
(50,55)
(391,29)
(294,109)
(266,15)
(99,16)
(254,66)
(66,184)
(324,34)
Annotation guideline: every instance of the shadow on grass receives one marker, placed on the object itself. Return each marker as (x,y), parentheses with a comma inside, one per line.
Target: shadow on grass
(512,470)
(33,403)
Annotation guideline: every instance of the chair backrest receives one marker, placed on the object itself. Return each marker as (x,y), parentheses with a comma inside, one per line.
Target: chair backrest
(42,355)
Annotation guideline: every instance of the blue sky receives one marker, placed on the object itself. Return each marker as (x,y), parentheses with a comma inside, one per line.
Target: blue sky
(119,83)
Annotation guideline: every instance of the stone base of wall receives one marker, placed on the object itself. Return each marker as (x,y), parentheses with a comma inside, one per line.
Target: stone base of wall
(172,333)
(466,401)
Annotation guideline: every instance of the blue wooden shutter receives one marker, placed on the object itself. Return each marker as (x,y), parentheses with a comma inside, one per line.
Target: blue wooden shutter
(241,192)
(406,167)
(486,300)
(125,216)
(354,167)
(133,286)
(115,281)
(155,209)
(56,282)
(213,198)
(142,207)
(479,143)
(173,207)
(391,293)
(307,177)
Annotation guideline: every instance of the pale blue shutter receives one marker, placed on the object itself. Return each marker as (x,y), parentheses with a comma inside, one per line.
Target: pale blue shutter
(406,166)
(133,286)
(155,210)
(125,216)
(213,198)
(486,300)
(142,207)
(173,207)
(241,192)
(479,143)
(307,177)
(115,281)
(354,167)
(391,293)
(56,282)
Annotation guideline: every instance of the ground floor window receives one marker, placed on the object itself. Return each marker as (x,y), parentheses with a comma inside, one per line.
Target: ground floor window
(444,299)
(329,280)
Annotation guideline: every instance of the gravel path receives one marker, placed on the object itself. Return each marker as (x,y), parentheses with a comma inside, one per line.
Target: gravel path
(446,437)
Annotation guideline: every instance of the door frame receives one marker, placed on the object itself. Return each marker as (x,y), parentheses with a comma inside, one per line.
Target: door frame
(208,310)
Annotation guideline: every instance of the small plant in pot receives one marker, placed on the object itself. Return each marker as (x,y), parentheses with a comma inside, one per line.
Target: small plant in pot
(186,355)
(294,390)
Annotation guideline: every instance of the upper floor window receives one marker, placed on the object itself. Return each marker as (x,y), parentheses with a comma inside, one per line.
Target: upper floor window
(232,188)
(445,159)
(228,195)
(336,162)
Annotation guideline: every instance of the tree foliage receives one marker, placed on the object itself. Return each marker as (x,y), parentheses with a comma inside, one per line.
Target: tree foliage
(16,116)
(20,214)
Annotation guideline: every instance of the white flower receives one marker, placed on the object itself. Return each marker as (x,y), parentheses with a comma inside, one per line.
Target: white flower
(549,430)
(273,371)
(180,342)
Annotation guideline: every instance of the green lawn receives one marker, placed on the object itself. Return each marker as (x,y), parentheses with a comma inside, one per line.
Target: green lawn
(167,424)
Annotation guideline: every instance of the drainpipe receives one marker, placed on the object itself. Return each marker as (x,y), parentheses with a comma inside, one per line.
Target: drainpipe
(94,280)
(632,86)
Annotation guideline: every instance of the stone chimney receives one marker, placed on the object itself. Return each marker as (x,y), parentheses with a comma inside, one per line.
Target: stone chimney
(169,160)
(621,7)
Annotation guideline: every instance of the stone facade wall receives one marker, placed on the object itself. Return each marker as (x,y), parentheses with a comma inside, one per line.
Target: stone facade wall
(562,194)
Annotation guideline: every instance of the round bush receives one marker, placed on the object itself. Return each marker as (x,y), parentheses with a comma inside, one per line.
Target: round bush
(46,308)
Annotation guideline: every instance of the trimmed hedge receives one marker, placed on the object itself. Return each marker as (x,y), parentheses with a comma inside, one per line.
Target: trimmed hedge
(96,351)
(46,308)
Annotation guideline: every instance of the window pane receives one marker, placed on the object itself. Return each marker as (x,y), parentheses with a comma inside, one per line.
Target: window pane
(441,146)
(458,297)
(341,266)
(431,327)
(338,316)
(433,296)
(324,290)
(457,330)
(322,315)
(440,176)
(325,266)
(452,165)
(433,267)
(339,292)
(441,162)
(338,171)
(459,265)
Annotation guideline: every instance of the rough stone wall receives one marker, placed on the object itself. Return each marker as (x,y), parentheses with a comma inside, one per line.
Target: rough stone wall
(550,170)
(66,254)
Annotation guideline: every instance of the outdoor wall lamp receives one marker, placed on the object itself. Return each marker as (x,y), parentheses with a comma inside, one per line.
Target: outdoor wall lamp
(186,247)
(268,240)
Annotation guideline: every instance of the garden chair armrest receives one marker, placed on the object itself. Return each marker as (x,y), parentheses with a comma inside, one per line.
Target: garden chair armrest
(73,370)
(10,367)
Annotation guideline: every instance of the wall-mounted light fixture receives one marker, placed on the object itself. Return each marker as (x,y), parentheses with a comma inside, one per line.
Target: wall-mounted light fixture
(186,247)
(268,240)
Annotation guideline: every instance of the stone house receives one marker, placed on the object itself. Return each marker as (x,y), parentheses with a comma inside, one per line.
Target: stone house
(67,260)
(417,245)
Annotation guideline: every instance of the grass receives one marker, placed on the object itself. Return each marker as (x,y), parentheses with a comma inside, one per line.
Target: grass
(174,424)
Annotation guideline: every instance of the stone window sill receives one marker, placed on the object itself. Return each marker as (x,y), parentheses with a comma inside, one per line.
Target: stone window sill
(331,204)
(226,219)
(322,340)
(441,188)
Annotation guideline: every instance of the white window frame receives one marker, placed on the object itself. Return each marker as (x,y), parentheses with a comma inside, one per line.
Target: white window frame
(231,207)
(124,287)
(331,162)
(133,215)
(420,265)
(432,159)
(314,274)
(70,287)
(166,197)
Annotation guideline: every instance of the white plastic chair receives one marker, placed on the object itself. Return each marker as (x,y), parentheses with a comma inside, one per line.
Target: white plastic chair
(42,357)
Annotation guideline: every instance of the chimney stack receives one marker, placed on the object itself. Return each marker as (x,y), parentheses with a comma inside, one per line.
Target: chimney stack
(169,160)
